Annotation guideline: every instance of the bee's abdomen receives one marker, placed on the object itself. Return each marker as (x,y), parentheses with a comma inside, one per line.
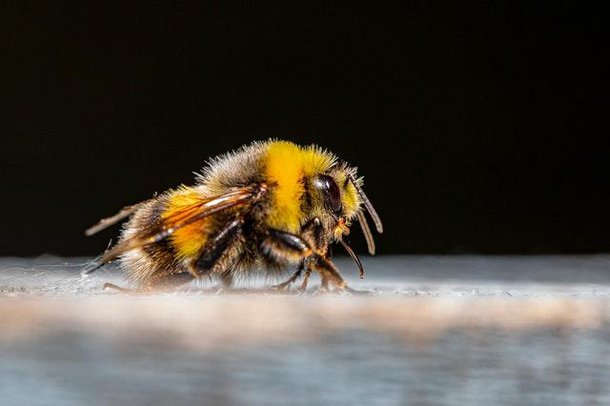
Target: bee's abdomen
(160,258)
(187,241)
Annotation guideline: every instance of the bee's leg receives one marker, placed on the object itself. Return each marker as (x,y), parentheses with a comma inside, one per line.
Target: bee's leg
(313,233)
(290,247)
(212,259)
(217,255)
(224,265)
(156,282)
(329,273)
(296,275)
(109,285)
(306,276)
(285,246)
(168,281)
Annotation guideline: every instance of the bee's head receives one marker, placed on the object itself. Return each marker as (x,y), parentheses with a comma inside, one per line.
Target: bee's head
(336,197)
(312,183)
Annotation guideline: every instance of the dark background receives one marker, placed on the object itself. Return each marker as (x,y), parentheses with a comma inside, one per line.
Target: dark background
(479,128)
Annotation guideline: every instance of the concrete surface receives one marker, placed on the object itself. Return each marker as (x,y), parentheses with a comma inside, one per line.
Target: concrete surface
(427,330)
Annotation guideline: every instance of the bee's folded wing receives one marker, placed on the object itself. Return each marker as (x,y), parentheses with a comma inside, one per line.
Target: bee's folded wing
(108,221)
(183,217)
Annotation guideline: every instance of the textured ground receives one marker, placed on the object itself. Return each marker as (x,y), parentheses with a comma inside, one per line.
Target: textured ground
(428,330)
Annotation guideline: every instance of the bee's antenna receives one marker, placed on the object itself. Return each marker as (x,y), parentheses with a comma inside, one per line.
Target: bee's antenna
(352,254)
(368,205)
(370,242)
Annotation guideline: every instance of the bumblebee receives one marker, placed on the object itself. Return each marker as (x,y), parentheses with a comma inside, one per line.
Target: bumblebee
(266,206)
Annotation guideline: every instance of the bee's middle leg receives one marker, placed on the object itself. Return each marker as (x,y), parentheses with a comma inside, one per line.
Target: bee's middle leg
(312,233)
(296,275)
(290,247)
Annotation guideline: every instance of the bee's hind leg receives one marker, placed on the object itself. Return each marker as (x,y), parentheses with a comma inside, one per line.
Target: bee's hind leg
(169,281)
(158,283)
(219,254)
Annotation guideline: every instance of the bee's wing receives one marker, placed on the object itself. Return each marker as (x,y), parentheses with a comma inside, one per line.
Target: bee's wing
(184,217)
(108,221)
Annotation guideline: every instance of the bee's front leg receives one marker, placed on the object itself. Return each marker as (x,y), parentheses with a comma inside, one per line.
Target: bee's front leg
(329,273)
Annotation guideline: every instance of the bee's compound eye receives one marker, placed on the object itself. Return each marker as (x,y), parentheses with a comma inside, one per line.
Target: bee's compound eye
(329,187)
